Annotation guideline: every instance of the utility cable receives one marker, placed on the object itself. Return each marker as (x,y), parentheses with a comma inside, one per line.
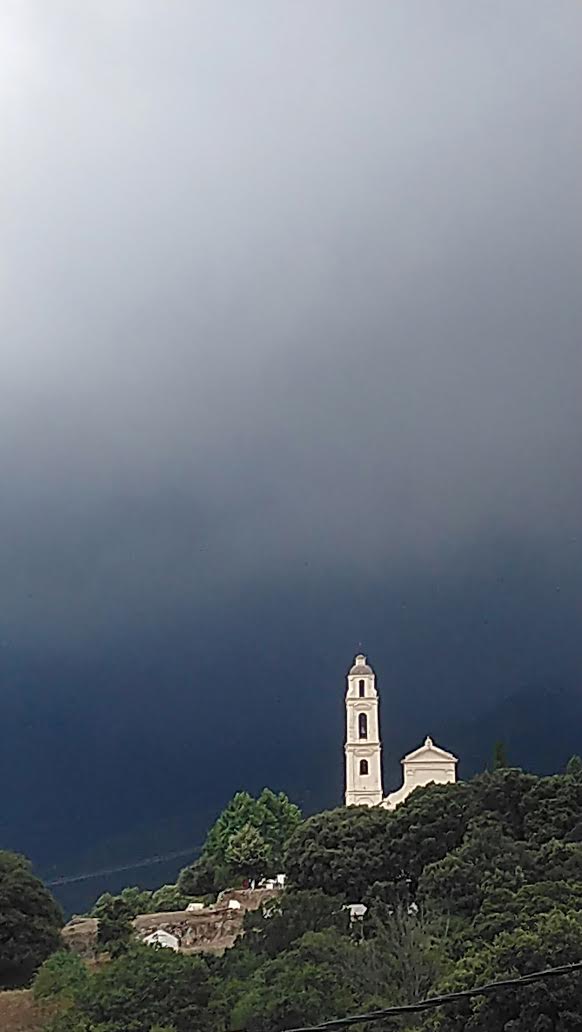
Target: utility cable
(439,1001)
(147,862)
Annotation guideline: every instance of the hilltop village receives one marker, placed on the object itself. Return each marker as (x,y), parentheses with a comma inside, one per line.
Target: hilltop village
(283,920)
(216,926)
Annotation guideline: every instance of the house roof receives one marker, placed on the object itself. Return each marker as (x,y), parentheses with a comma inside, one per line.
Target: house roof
(429,753)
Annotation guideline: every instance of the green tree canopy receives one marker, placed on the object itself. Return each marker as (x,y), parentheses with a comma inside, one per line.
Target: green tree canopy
(285,919)
(136,901)
(499,756)
(142,988)
(318,977)
(203,877)
(574,767)
(64,974)
(30,921)
(272,816)
(547,1006)
(115,930)
(488,857)
(346,851)
(464,884)
(247,852)
(169,897)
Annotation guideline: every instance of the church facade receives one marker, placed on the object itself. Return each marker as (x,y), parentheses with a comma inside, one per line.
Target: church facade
(363,748)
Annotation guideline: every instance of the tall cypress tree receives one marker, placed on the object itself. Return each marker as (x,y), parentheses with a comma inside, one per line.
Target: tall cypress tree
(499,756)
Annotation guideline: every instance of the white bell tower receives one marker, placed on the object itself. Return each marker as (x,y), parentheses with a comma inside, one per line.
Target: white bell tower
(363,749)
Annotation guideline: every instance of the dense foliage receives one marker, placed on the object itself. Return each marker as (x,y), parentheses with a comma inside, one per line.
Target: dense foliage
(248,840)
(137,991)
(140,901)
(499,859)
(463,884)
(30,921)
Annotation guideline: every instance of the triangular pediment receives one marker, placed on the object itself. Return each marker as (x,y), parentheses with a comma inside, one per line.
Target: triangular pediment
(429,753)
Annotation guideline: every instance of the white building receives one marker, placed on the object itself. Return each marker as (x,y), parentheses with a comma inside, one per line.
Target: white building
(363,748)
(424,766)
(162,938)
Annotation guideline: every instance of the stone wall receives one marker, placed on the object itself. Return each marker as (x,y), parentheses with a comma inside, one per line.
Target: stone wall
(213,929)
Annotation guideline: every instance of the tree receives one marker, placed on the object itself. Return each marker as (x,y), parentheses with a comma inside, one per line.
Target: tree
(488,857)
(552,809)
(406,949)
(574,768)
(285,919)
(504,911)
(504,792)
(136,901)
(62,975)
(277,819)
(272,815)
(115,929)
(499,756)
(545,1006)
(169,897)
(202,878)
(342,852)
(316,979)
(30,921)
(248,853)
(142,988)
(345,851)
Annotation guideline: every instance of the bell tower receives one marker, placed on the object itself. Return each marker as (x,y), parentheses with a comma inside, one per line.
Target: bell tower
(363,748)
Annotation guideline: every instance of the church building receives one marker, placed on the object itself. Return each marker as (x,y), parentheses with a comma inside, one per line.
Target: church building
(363,748)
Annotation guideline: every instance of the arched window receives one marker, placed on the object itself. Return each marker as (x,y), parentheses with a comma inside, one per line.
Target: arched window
(363,725)
(362,687)
(363,766)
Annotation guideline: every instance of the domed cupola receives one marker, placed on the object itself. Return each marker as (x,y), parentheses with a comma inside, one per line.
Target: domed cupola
(361,666)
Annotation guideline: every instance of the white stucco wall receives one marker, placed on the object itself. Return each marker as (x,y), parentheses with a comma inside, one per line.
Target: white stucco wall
(165,939)
(425,766)
(362,789)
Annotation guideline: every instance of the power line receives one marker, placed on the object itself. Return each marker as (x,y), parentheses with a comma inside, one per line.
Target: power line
(439,1001)
(147,862)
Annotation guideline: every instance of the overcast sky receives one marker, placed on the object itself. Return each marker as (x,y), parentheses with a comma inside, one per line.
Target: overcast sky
(290,346)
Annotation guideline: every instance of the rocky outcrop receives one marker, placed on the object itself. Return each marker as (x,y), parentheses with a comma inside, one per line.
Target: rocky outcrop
(197,931)
(210,930)
(80,936)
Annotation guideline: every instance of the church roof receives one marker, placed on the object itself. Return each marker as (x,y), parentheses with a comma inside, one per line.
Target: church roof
(429,752)
(361,666)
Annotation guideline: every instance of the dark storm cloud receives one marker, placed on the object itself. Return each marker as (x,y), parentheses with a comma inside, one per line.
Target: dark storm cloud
(308,273)
(290,355)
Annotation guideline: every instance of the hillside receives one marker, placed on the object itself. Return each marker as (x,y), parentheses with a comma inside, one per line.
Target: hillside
(19,1012)
(540,726)
(462,884)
